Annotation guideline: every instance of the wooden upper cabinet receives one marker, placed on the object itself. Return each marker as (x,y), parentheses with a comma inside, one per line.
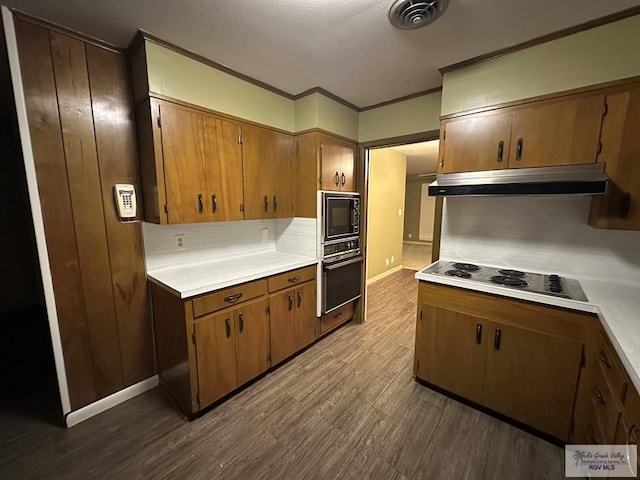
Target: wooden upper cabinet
(223,159)
(620,208)
(337,161)
(184,164)
(564,132)
(475,143)
(306,174)
(267,164)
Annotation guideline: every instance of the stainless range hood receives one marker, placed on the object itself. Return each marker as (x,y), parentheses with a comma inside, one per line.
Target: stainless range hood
(565,180)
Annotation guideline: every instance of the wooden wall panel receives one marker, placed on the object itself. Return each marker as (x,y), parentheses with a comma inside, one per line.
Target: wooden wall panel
(118,163)
(44,126)
(81,121)
(74,103)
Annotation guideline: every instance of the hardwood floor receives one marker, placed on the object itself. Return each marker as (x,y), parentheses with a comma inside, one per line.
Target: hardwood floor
(348,407)
(416,256)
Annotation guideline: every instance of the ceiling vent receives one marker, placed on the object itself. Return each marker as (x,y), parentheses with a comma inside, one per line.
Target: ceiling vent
(412,14)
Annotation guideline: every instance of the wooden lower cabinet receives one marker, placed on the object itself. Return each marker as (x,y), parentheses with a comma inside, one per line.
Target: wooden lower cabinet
(531,377)
(516,358)
(332,320)
(293,320)
(450,352)
(210,345)
(216,356)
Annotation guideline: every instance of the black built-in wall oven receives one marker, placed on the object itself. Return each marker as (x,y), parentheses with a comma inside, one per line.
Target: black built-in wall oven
(341,264)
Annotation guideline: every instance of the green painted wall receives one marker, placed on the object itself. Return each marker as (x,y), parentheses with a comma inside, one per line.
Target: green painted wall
(387,177)
(601,54)
(420,114)
(183,78)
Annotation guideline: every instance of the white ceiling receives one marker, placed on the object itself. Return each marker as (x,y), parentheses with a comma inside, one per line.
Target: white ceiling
(347,47)
(422,157)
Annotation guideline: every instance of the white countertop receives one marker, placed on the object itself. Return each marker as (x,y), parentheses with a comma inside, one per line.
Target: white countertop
(189,280)
(617,306)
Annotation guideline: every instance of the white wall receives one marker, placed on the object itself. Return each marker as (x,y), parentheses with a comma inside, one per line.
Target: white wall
(544,234)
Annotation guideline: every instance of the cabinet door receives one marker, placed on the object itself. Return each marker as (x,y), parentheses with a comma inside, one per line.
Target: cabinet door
(184,165)
(450,350)
(223,154)
(252,340)
(306,169)
(282,322)
(331,155)
(282,198)
(258,160)
(561,133)
(347,167)
(307,326)
(532,377)
(215,357)
(267,159)
(479,142)
(620,208)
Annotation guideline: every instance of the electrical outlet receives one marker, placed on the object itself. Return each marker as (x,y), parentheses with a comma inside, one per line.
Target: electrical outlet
(410,235)
(179,241)
(264,234)
(386,261)
(399,212)
(392,258)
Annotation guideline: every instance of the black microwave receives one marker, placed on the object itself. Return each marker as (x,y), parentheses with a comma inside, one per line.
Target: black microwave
(340,215)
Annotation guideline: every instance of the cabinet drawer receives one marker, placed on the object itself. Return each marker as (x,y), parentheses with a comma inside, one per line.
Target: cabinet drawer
(611,367)
(335,318)
(228,297)
(291,278)
(605,403)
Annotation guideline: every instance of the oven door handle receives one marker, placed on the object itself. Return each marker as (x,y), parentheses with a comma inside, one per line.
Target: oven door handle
(333,266)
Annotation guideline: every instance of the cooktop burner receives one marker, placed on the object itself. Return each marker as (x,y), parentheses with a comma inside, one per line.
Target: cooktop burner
(553,284)
(468,267)
(507,280)
(512,273)
(458,273)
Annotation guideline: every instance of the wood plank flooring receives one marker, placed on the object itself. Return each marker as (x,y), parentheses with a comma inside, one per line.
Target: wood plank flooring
(348,407)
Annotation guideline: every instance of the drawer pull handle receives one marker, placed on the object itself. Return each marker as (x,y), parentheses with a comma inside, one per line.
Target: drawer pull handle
(293,279)
(241,321)
(337,315)
(604,359)
(337,179)
(214,203)
(232,298)
(200,204)
(290,302)
(597,392)
(478,334)
(266,204)
(343,179)
(299,299)
(496,340)
(275,203)
(227,327)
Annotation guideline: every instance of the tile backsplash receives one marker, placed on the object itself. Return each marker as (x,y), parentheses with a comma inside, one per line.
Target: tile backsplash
(545,234)
(225,240)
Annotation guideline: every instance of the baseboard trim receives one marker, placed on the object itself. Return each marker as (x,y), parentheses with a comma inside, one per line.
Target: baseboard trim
(415,242)
(84,413)
(384,274)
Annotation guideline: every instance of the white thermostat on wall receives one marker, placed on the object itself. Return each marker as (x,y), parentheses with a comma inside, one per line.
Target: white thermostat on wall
(125,194)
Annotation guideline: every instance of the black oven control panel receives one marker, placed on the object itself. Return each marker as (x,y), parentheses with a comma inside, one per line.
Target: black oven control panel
(341,248)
